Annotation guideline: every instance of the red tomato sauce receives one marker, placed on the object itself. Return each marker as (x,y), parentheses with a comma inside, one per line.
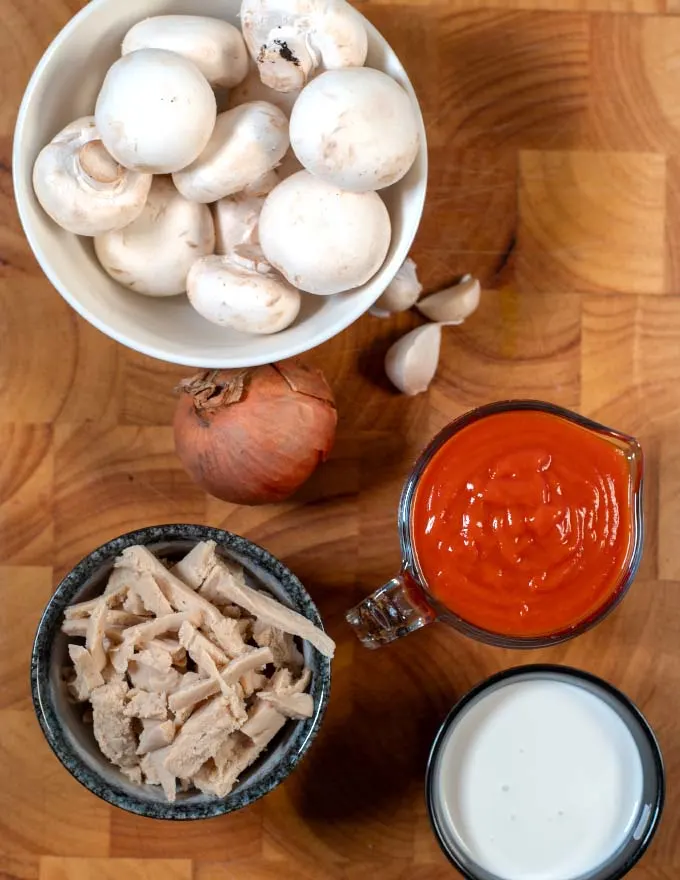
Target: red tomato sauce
(522,523)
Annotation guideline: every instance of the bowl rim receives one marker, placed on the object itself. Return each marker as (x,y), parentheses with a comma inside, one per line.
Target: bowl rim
(354,311)
(51,723)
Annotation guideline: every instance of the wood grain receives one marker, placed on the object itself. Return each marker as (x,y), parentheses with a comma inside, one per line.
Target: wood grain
(554,135)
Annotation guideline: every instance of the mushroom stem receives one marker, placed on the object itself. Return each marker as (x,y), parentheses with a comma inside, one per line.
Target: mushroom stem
(98,165)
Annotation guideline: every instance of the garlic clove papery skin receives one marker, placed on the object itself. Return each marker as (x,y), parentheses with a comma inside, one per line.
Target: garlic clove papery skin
(240,290)
(401,293)
(213,45)
(247,143)
(154,253)
(454,304)
(411,362)
(291,39)
(82,187)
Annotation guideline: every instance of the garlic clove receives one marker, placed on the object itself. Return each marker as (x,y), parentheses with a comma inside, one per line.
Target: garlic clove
(411,362)
(454,304)
(401,293)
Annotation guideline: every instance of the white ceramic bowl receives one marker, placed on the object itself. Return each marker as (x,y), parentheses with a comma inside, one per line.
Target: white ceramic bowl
(63,87)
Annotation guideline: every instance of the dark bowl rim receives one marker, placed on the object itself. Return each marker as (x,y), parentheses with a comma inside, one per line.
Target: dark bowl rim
(518,671)
(50,722)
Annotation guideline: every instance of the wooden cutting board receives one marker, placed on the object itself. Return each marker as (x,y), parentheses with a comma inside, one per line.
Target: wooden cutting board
(554,130)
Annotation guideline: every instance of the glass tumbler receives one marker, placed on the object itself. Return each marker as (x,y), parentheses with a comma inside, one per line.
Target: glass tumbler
(634,814)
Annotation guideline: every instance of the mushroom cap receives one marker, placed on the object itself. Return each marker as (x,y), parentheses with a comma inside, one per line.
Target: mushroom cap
(215,46)
(253,89)
(340,38)
(81,186)
(290,39)
(355,128)
(153,254)
(155,111)
(322,239)
(247,142)
(236,222)
(240,290)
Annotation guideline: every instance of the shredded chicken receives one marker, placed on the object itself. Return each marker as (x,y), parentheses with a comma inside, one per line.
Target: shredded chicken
(155,735)
(183,598)
(290,705)
(155,773)
(80,609)
(255,659)
(142,704)
(282,644)
(150,678)
(184,700)
(150,594)
(190,672)
(194,641)
(88,677)
(194,568)
(252,681)
(200,737)
(112,727)
(263,723)
(221,581)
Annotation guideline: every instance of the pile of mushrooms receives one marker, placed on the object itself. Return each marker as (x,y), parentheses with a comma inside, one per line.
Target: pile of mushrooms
(248,209)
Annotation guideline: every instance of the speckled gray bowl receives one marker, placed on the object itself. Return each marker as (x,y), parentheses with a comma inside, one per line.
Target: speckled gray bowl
(72,740)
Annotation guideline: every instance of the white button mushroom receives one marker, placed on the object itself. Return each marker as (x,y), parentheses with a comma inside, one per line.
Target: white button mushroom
(243,292)
(215,46)
(263,185)
(248,141)
(153,254)
(253,89)
(322,239)
(290,39)
(156,111)
(289,165)
(81,186)
(356,129)
(236,222)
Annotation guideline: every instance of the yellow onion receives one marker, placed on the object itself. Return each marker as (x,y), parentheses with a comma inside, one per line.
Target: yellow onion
(254,435)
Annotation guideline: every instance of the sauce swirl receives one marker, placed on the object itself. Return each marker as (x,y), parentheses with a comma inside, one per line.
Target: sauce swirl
(522,522)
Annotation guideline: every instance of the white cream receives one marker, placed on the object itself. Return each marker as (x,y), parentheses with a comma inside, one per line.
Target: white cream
(539,780)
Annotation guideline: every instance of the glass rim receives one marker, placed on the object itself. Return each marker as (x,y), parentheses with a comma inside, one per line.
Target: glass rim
(563,671)
(410,564)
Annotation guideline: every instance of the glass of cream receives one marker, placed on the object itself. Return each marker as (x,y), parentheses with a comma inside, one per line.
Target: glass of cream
(545,773)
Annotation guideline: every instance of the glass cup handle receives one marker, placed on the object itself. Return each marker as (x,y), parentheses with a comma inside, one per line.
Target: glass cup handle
(393,611)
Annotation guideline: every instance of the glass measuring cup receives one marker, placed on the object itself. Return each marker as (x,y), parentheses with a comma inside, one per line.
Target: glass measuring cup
(407,602)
